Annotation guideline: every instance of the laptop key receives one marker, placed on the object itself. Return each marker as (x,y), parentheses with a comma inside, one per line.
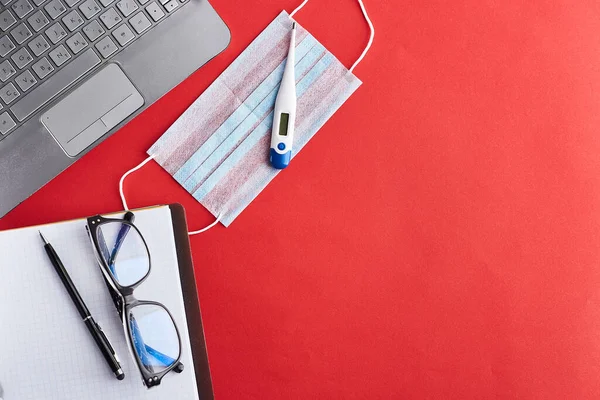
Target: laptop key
(42,68)
(59,55)
(76,43)
(171,5)
(123,34)
(38,20)
(22,8)
(110,18)
(54,85)
(21,33)
(140,22)
(6,46)
(25,81)
(106,47)
(155,11)
(72,20)
(55,8)
(6,70)
(6,20)
(6,123)
(89,8)
(39,45)
(9,93)
(56,33)
(21,58)
(127,7)
(93,30)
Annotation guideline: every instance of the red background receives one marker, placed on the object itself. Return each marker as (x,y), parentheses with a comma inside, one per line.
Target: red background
(438,238)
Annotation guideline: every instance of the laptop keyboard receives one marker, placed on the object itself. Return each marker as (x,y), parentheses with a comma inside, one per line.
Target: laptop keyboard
(46,45)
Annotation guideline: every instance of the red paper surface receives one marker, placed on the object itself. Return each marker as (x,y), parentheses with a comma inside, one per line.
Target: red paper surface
(438,238)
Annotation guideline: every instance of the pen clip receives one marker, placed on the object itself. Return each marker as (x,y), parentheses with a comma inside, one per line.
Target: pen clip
(105,339)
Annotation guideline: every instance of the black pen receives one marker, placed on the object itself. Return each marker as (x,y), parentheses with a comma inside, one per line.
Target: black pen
(99,337)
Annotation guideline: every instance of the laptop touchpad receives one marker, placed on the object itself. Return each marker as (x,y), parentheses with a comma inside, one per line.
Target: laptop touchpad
(102,102)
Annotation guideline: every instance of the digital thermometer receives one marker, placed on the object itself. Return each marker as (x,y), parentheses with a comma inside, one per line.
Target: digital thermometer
(284,116)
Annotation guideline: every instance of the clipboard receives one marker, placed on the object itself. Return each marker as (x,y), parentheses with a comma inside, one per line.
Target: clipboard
(191,301)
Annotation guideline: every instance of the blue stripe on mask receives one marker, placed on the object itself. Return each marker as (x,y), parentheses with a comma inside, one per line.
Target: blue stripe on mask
(260,131)
(239,115)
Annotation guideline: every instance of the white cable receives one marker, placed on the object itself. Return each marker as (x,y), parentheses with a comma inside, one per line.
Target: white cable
(125,207)
(208,227)
(298,8)
(371,27)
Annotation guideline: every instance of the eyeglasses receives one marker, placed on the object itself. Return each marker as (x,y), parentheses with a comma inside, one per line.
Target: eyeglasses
(124,259)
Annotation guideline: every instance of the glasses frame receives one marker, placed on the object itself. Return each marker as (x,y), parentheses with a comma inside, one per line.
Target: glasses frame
(123,297)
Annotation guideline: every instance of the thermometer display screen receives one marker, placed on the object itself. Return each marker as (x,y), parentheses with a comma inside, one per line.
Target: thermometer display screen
(283,124)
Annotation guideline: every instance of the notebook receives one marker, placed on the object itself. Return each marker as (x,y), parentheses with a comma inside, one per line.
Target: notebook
(46,351)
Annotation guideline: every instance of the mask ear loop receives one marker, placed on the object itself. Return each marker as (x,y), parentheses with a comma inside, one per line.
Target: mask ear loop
(126,207)
(125,175)
(208,227)
(371,27)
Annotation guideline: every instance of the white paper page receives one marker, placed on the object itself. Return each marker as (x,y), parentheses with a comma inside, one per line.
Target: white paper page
(46,352)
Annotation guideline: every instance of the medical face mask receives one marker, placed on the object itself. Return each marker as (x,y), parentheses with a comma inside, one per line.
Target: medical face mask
(218,150)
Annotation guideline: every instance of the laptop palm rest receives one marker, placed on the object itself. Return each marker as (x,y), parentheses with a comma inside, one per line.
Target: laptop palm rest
(92,110)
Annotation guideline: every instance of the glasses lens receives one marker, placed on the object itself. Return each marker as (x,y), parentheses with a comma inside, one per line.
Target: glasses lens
(124,251)
(154,337)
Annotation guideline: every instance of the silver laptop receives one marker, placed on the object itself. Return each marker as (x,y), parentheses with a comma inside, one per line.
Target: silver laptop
(72,72)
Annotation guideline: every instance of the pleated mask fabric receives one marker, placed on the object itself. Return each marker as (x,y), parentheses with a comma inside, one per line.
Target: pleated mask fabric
(218,150)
